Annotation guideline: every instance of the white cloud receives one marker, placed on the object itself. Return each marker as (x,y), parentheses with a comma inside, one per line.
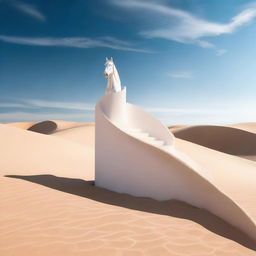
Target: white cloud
(37,103)
(116,41)
(28,116)
(221,52)
(59,104)
(184,111)
(12,105)
(185,75)
(75,42)
(196,116)
(29,10)
(47,110)
(183,26)
(205,44)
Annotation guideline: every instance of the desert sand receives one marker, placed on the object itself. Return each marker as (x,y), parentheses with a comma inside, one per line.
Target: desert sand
(49,205)
(250,127)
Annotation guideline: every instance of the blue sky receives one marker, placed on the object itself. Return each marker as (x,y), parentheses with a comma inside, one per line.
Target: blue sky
(185,61)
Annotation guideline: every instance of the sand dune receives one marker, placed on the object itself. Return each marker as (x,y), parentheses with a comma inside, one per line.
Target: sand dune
(48,126)
(177,127)
(22,125)
(83,134)
(242,172)
(225,139)
(64,125)
(250,127)
(45,127)
(23,152)
(49,208)
(74,131)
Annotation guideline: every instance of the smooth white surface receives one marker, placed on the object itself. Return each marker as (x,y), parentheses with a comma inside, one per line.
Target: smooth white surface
(141,119)
(129,161)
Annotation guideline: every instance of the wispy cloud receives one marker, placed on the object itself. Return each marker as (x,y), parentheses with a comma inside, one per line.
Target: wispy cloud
(37,110)
(37,103)
(60,105)
(182,111)
(221,52)
(28,9)
(75,42)
(183,26)
(184,75)
(12,105)
(114,40)
(75,111)
(29,116)
(196,116)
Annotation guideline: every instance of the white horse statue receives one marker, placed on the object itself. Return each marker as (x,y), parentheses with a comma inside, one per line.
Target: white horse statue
(110,72)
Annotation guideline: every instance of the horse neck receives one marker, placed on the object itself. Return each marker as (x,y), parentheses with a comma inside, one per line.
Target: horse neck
(110,82)
(116,79)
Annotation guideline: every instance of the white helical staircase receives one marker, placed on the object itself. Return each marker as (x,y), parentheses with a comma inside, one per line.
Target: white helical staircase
(135,154)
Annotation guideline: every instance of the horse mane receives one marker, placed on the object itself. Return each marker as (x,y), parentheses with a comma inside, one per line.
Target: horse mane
(116,77)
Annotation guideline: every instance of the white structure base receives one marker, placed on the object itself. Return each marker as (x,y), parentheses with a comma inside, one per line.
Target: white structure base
(135,154)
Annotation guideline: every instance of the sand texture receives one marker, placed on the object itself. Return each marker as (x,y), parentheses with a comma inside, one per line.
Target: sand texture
(49,205)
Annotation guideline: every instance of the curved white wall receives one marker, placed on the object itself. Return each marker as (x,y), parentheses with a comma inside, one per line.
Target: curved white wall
(114,107)
(126,164)
(137,117)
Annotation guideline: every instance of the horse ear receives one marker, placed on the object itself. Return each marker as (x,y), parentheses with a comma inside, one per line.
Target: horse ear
(111,59)
(106,58)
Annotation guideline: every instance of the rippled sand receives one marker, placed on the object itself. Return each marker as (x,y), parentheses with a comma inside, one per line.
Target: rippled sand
(58,211)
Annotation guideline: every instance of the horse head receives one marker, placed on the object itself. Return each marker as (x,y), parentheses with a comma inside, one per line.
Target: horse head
(109,67)
(111,73)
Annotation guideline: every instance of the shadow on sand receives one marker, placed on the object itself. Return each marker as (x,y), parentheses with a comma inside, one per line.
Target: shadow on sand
(45,127)
(172,208)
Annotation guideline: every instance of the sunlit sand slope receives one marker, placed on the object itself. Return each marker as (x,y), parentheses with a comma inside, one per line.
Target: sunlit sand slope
(250,127)
(70,217)
(22,125)
(83,134)
(222,167)
(23,152)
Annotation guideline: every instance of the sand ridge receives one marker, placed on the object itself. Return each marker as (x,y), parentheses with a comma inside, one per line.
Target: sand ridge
(221,138)
(250,127)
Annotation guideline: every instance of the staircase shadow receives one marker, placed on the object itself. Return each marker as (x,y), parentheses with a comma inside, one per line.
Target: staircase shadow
(172,208)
